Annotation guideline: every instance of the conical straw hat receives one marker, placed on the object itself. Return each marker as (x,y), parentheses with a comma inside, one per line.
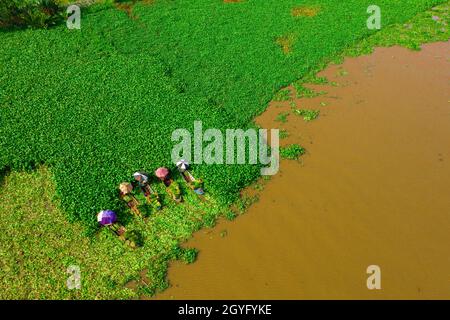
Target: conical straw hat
(125,187)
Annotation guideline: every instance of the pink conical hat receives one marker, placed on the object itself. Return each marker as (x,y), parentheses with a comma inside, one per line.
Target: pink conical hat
(162,172)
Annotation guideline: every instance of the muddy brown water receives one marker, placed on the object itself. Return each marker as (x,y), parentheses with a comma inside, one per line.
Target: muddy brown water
(374,189)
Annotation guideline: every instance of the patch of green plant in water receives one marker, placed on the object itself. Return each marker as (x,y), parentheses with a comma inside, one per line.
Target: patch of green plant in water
(342,73)
(282,117)
(284,134)
(187,255)
(313,78)
(307,115)
(229,215)
(292,152)
(334,83)
(303,92)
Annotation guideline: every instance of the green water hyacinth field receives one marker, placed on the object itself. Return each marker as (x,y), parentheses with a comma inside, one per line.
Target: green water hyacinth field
(95,105)
(99,103)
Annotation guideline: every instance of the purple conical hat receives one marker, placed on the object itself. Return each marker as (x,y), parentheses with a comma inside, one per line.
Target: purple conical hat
(106,217)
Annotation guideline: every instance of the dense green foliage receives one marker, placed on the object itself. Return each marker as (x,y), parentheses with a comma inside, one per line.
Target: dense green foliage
(100,103)
(292,152)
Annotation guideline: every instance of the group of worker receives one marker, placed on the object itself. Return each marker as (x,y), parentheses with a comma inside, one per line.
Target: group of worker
(142,184)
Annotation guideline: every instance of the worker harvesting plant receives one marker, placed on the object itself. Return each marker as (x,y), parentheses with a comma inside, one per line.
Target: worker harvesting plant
(152,196)
(108,219)
(126,194)
(194,184)
(172,187)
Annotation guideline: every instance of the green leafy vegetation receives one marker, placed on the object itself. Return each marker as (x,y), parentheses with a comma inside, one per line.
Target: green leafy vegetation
(230,215)
(307,115)
(284,134)
(292,152)
(342,73)
(282,95)
(282,117)
(303,92)
(186,255)
(244,202)
(258,187)
(38,244)
(313,78)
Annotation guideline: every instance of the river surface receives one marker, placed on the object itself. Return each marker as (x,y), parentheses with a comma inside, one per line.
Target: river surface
(373,189)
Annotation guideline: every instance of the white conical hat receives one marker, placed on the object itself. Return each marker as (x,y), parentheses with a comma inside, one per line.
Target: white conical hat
(183,164)
(100,216)
(143,175)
